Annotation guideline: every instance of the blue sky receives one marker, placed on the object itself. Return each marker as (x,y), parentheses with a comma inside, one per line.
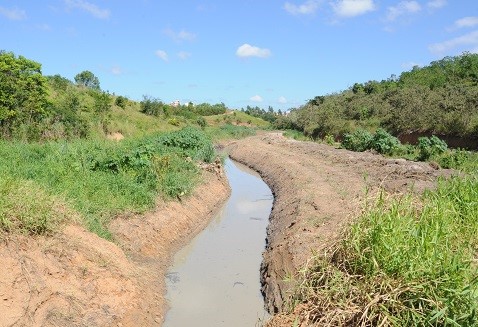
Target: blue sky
(263,52)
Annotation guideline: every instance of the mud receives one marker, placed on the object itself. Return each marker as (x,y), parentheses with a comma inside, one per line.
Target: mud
(75,278)
(318,189)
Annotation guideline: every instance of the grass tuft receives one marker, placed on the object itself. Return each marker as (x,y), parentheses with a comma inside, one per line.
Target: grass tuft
(403,263)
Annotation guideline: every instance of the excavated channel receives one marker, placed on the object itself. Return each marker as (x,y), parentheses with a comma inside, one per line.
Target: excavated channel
(215,280)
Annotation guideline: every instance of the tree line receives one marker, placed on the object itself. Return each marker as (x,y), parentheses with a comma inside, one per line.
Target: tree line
(440,99)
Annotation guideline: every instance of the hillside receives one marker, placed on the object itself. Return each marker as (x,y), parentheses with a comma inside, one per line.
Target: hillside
(439,99)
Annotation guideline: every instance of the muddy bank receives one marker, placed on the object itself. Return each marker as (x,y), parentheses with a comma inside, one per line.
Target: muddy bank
(318,189)
(75,278)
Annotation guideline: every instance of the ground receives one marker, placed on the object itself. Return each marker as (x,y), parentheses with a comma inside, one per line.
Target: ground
(75,278)
(318,190)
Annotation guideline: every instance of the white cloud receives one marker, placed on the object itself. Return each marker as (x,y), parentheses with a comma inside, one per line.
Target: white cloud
(13,14)
(256,98)
(436,4)
(184,55)
(247,50)
(116,70)
(403,8)
(44,27)
(469,40)
(89,7)
(466,22)
(307,8)
(351,8)
(162,55)
(282,99)
(180,36)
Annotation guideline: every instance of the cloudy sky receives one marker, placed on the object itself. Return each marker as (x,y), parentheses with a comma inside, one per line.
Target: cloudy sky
(262,52)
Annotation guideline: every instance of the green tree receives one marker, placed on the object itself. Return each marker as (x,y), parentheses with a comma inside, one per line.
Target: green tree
(23,92)
(87,79)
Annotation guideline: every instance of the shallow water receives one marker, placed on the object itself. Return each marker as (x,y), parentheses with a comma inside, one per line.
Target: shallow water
(214,280)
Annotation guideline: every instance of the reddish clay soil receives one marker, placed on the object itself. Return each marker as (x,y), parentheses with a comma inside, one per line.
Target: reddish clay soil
(318,190)
(75,278)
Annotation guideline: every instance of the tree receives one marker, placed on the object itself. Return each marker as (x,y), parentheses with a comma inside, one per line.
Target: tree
(23,91)
(87,79)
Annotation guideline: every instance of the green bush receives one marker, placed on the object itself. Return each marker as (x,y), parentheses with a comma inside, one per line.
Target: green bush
(430,146)
(359,140)
(383,142)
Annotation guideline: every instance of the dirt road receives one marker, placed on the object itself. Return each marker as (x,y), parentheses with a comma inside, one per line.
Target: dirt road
(318,189)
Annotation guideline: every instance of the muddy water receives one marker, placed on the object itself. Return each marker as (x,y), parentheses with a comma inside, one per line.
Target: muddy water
(214,281)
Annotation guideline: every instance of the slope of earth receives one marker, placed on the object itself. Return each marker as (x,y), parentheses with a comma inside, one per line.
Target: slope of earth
(318,189)
(75,278)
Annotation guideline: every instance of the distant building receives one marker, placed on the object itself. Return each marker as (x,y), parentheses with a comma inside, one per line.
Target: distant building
(175,103)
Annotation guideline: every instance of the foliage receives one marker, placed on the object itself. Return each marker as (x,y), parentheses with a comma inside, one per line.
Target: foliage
(383,142)
(121,101)
(440,99)
(360,140)
(27,208)
(99,179)
(402,263)
(268,115)
(206,109)
(430,146)
(23,93)
(152,106)
(87,79)
(229,131)
(201,122)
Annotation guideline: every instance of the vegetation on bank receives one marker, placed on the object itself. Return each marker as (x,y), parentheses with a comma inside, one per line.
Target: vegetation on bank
(405,262)
(437,99)
(56,164)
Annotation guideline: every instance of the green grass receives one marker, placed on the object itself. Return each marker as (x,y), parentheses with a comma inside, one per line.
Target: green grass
(102,179)
(27,208)
(229,131)
(405,262)
(238,118)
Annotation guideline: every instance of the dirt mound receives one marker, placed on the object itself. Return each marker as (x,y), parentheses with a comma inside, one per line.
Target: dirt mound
(317,189)
(75,278)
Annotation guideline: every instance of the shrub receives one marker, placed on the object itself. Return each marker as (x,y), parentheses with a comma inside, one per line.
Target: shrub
(430,146)
(359,140)
(201,122)
(383,142)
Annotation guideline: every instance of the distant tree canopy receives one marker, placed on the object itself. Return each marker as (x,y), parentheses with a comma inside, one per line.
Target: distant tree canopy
(87,79)
(441,98)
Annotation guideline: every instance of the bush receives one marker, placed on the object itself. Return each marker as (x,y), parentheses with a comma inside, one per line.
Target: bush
(359,140)
(201,122)
(430,146)
(383,142)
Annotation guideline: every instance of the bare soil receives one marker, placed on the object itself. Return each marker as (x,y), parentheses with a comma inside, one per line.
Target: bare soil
(75,278)
(318,190)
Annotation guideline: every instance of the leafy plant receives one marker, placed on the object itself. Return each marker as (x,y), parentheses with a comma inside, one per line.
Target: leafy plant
(383,142)
(430,146)
(360,140)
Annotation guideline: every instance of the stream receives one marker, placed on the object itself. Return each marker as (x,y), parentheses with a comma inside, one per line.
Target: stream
(214,280)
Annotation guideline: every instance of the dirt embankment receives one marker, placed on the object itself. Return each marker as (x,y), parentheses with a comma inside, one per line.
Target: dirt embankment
(75,278)
(317,190)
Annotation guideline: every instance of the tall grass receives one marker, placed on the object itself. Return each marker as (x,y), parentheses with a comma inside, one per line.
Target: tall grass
(403,263)
(103,179)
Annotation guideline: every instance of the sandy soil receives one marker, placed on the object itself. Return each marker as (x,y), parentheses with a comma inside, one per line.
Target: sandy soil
(75,278)
(318,189)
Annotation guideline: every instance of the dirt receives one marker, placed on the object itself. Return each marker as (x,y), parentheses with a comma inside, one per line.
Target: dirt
(318,190)
(75,278)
